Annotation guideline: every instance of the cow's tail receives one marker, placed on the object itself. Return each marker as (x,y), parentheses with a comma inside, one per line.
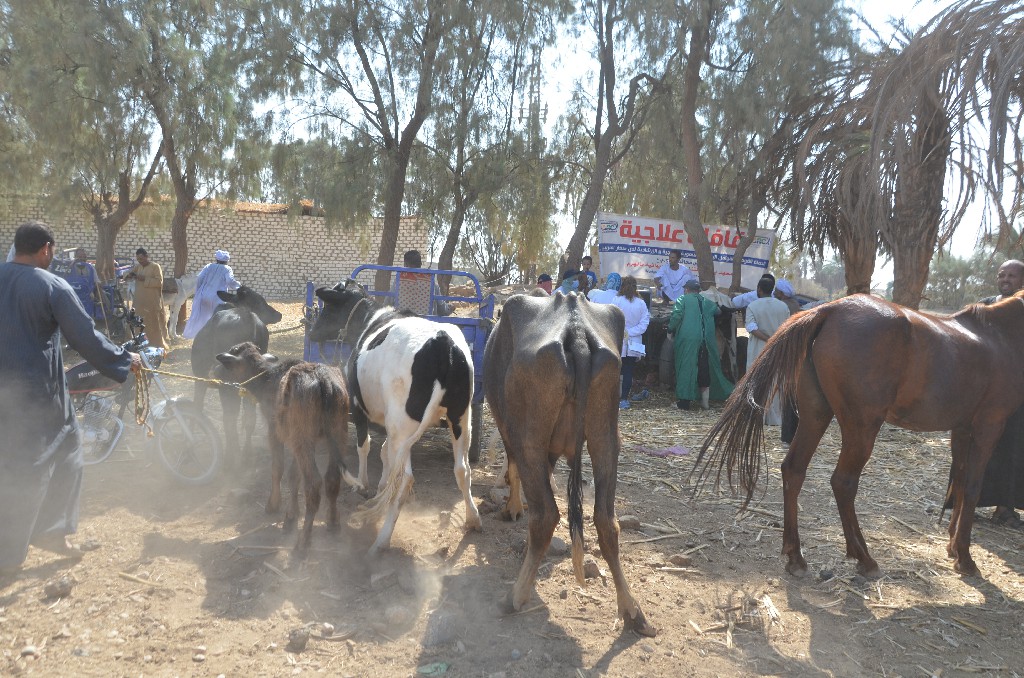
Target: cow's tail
(578,352)
(736,442)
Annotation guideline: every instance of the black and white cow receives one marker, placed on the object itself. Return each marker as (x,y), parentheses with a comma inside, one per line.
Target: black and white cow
(242,317)
(405,373)
(551,377)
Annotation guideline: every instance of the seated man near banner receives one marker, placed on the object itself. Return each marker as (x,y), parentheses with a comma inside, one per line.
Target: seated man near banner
(672,276)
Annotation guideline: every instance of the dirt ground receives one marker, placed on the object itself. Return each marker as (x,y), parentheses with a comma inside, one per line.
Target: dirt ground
(200,581)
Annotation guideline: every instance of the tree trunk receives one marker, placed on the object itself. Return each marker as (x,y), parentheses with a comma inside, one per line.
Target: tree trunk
(756,205)
(106,240)
(858,254)
(183,208)
(910,272)
(185,191)
(917,216)
(447,256)
(700,38)
(393,197)
(741,250)
(108,226)
(588,209)
(109,222)
(398,151)
(605,135)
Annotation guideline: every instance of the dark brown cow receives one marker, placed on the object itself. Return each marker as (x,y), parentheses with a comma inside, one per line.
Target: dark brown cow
(303,403)
(243,316)
(551,376)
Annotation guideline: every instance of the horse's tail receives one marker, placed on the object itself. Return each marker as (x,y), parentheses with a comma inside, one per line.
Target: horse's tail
(736,441)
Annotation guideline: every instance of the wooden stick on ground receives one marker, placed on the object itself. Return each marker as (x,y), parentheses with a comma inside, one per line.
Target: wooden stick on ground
(649,539)
(140,580)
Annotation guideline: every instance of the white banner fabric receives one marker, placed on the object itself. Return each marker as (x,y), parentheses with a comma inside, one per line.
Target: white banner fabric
(638,246)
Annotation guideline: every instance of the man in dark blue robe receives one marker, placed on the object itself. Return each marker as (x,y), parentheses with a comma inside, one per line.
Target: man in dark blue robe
(40,451)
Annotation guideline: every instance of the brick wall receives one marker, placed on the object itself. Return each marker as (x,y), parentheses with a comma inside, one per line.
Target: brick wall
(271,253)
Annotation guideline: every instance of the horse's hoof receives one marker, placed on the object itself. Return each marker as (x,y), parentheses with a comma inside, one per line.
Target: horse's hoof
(273,506)
(966,567)
(473,523)
(797,569)
(289,524)
(869,571)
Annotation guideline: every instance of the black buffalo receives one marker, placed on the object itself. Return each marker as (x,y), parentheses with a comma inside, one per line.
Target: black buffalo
(242,317)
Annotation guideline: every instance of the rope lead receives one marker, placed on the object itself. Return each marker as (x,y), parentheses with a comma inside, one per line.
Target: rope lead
(142,403)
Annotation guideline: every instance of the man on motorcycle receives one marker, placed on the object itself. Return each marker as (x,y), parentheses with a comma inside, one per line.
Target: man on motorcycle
(40,452)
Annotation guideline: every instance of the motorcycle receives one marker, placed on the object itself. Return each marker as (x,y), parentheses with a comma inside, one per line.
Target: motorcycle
(186,442)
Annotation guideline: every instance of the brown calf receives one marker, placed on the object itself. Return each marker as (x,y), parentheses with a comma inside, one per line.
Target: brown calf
(303,404)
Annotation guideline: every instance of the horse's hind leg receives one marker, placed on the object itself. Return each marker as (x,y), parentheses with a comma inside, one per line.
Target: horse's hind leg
(960,445)
(815,416)
(975,450)
(858,441)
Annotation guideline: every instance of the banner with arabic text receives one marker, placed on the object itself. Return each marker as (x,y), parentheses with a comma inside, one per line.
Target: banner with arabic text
(638,246)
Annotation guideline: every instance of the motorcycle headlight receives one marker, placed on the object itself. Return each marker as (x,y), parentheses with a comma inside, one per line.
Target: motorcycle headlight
(154,354)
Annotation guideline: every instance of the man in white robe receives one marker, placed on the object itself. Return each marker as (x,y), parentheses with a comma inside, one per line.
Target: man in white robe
(215,277)
(672,276)
(764,316)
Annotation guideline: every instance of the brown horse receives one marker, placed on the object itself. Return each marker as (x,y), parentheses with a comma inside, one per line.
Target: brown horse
(867,361)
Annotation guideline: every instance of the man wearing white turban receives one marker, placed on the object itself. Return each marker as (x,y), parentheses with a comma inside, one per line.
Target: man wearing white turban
(784,293)
(215,277)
